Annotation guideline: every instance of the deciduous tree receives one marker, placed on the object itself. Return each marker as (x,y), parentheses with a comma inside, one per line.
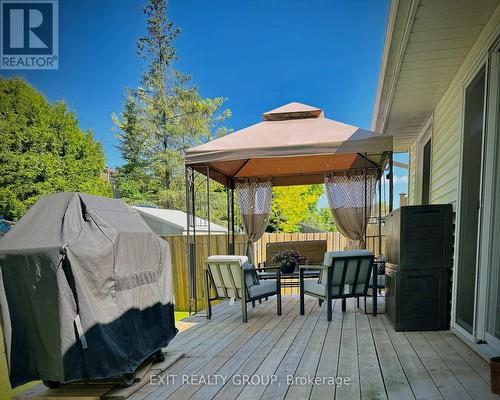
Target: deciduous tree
(43,150)
(293,205)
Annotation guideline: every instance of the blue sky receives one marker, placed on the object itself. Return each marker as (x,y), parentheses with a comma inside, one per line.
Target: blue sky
(260,54)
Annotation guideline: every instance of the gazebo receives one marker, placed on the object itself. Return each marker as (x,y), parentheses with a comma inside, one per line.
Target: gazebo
(294,145)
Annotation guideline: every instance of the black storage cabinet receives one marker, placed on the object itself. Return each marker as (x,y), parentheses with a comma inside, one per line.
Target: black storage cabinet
(418,270)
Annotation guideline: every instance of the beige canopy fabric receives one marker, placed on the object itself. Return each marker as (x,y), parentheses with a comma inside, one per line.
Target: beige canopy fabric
(295,144)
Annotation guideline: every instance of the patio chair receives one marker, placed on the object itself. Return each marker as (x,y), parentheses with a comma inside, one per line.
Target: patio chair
(233,277)
(344,274)
(379,266)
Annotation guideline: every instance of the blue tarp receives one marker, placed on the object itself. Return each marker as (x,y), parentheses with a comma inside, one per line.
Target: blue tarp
(4,225)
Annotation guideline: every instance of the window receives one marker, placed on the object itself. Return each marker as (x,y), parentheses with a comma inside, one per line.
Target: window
(426,173)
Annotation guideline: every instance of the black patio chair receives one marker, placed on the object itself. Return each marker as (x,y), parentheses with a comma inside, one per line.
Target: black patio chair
(344,274)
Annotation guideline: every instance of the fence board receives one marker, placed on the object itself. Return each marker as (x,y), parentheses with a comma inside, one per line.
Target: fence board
(218,245)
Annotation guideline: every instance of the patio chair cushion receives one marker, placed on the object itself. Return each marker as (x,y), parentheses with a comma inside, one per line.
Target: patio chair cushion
(312,286)
(265,287)
(251,277)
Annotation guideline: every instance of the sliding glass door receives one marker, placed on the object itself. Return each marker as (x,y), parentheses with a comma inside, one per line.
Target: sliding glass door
(477,294)
(492,267)
(470,200)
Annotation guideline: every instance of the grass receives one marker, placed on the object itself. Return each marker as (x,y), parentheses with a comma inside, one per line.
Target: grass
(6,392)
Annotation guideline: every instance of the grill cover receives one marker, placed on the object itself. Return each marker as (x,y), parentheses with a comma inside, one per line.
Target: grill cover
(85,291)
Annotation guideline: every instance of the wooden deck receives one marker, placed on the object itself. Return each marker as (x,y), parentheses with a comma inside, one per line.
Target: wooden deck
(356,356)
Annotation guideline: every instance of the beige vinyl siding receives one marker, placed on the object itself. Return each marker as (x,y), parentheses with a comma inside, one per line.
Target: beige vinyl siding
(446,130)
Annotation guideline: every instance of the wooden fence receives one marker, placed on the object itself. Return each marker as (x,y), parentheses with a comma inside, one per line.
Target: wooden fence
(218,245)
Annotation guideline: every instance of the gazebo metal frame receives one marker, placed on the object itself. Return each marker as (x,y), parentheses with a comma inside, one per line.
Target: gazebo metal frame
(203,170)
(294,145)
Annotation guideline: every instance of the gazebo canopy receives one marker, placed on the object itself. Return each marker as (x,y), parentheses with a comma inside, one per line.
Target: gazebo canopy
(295,144)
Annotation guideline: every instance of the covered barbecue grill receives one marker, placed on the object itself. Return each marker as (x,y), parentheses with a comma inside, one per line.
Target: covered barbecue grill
(85,291)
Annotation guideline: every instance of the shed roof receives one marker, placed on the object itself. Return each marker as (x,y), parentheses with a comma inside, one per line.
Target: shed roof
(179,219)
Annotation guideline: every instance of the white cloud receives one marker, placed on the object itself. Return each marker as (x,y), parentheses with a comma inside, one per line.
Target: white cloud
(398,179)
(403,179)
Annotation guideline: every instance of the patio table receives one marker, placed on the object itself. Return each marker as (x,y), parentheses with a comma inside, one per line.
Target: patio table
(291,279)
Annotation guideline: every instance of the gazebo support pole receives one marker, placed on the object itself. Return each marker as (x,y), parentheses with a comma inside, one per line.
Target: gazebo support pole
(380,212)
(391,181)
(208,211)
(232,249)
(375,266)
(365,210)
(228,213)
(188,224)
(193,248)
(191,239)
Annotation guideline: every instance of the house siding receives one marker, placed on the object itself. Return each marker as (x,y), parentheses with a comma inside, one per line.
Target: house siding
(447,123)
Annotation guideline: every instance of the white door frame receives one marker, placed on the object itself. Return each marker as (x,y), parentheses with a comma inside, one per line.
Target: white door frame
(490,230)
(481,62)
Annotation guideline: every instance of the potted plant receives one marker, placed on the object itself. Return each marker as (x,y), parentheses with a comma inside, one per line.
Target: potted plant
(287,260)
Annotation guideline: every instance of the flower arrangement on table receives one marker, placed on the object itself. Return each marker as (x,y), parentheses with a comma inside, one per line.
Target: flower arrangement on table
(287,260)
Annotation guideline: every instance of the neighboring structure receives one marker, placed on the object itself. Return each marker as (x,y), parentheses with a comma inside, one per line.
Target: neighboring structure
(174,222)
(403,199)
(439,96)
(109,175)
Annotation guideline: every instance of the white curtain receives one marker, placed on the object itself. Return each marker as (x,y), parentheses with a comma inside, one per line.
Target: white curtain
(347,201)
(254,199)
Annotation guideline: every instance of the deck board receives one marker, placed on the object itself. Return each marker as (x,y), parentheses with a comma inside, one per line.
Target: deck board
(371,381)
(419,379)
(223,353)
(309,361)
(396,382)
(479,364)
(444,379)
(291,359)
(228,361)
(267,369)
(233,388)
(470,380)
(229,338)
(349,358)
(328,363)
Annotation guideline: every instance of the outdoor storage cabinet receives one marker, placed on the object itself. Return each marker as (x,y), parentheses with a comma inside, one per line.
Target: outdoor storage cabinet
(420,237)
(418,268)
(416,300)
(85,290)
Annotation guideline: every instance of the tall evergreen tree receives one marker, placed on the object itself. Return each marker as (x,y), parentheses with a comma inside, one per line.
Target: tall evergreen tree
(134,183)
(171,116)
(130,137)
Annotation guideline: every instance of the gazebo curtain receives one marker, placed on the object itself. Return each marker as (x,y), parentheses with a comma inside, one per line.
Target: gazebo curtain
(254,198)
(347,197)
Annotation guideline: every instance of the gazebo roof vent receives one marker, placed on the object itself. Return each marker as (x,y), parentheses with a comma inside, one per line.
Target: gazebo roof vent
(293,111)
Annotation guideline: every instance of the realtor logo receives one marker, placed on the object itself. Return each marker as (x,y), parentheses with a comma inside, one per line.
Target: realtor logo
(29,34)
